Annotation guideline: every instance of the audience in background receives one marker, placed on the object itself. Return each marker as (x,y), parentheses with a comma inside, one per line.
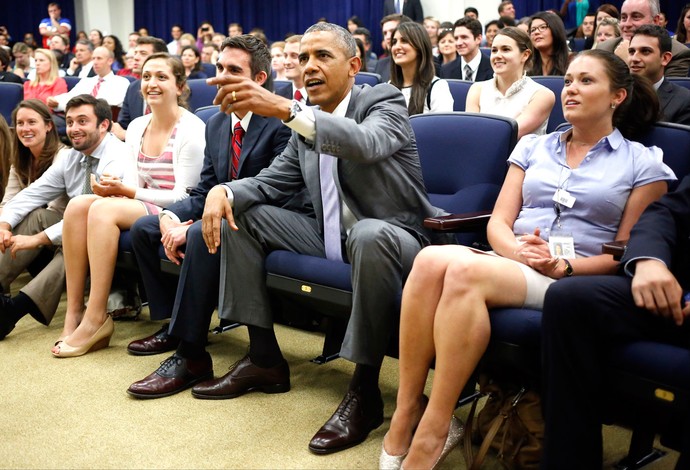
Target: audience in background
(506,9)
(635,13)
(174,47)
(53,24)
(608,28)
(234,29)
(164,159)
(59,45)
(81,65)
(648,54)
(444,313)
(683,25)
(472,65)
(132,40)
(511,92)
(104,85)
(447,52)
(471,12)
(432,25)
(353,23)
(24,63)
(96,38)
(293,69)
(409,8)
(491,29)
(204,34)
(361,54)
(46,82)
(278,60)
(364,35)
(218,39)
(413,71)
(113,44)
(548,37)
(5,75)
(191,59)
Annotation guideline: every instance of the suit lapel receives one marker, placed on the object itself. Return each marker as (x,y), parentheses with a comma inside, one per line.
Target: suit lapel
(224,154)
(256,127)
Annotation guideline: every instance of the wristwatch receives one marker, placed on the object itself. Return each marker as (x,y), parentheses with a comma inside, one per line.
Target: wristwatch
(294,109)
(568,268)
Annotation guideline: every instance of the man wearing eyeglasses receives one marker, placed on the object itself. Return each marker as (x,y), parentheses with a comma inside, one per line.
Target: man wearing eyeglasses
(471,65)
(635,13)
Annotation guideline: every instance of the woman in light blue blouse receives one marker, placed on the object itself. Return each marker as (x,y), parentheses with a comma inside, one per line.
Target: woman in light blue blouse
(575,189)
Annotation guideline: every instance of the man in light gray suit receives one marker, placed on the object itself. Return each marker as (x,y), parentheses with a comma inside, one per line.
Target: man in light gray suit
(372,196)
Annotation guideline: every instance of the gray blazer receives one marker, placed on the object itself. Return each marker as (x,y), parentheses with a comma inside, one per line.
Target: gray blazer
(378,170)
(675,103)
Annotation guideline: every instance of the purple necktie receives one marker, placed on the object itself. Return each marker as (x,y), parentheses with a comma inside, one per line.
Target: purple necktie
(331,208)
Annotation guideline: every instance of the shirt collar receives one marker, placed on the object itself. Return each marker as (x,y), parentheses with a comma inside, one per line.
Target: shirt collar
(614,139)
(474,63)
(100,150)
(341,109)
(658,84)
(244,122)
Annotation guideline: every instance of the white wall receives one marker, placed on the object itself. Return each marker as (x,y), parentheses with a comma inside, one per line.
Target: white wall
(451,10)
(110,16)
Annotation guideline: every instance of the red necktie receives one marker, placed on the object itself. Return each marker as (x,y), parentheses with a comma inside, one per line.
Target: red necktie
(298,95)
(237,136)
(96,87)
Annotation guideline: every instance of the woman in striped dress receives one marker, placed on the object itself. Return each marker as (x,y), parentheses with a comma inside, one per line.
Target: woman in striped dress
(167,151)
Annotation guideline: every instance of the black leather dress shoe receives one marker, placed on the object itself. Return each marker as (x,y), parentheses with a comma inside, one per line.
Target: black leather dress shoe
(174,375)
(6,312)
(157,343)
(350,425)
(244,376)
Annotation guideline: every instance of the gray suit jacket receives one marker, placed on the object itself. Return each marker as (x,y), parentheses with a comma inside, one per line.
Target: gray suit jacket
(378,169)
(678,67)
(675,103)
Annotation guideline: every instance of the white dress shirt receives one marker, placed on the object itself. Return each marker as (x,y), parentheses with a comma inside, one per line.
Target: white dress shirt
(65,176)
(113,90)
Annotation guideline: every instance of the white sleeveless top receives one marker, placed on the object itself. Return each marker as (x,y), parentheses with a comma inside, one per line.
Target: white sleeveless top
(515,100)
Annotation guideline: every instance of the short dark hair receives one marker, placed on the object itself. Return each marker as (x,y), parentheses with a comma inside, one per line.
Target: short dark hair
(259,54)
(470,23)
(101,108)
(471,10)
(157,43)
(400,18)
(363,32)
(655,31)
(4,58)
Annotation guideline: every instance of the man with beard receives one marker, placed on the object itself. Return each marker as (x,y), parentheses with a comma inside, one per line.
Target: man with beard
(26,226)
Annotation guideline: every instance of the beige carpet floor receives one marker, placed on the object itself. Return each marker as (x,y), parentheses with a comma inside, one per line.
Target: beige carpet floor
(75,413)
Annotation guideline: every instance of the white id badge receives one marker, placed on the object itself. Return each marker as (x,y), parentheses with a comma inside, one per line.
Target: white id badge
(562,246)
(564,198)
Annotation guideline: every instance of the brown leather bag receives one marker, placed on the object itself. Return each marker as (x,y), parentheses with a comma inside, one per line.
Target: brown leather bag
(511,423)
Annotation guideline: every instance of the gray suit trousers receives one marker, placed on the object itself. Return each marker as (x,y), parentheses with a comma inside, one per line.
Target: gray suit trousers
(381,255)
(46,288)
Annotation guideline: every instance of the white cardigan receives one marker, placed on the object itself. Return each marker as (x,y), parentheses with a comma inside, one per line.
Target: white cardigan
(188,158)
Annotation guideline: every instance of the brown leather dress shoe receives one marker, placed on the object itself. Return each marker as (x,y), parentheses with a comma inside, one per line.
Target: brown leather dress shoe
(174,375)
(157,343)
(350,425)
(245,377)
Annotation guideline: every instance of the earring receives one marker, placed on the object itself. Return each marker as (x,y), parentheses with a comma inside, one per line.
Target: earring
(613,105)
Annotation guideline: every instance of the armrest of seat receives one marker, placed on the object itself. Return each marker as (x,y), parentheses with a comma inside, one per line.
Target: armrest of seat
(615,248)
(468,222)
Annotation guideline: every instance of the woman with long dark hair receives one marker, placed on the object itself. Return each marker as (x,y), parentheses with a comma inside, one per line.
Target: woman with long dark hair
(548,36)
(413,71)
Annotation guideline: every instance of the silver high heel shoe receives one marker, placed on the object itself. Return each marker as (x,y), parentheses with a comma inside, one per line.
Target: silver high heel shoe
(390,462)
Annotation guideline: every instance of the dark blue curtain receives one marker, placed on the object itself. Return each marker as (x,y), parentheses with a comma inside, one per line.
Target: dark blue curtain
(276,17)
(22,17)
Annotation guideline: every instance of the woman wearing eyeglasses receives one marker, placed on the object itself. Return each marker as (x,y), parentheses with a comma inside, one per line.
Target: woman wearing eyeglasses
(548,37)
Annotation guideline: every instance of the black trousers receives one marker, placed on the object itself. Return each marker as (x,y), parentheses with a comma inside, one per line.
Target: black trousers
(583,318)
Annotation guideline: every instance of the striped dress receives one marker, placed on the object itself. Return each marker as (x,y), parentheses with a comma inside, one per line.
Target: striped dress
(157,172)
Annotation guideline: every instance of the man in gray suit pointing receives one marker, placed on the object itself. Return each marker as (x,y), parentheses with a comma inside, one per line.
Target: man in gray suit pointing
(356,154)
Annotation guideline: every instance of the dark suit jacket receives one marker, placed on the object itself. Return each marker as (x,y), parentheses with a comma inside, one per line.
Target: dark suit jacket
(454,69)
(383,68)
(678,67)
(662,232)
(265,139)
(9,77)
(411,8)
(675,102)
(378,170)
(132,106)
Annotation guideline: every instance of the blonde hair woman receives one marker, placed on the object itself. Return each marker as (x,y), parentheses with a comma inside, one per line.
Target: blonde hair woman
(47,82)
